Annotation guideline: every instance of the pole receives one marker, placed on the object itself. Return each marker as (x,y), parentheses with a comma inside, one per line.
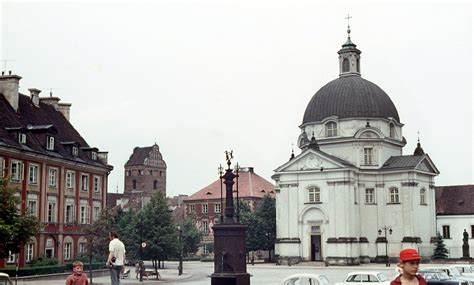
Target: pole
(386,249)
(180,266)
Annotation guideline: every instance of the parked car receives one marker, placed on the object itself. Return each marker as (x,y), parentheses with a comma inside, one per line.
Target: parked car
(465,269)
(453,272)
(5,279)
(305,279)
(439,277)
(361,277)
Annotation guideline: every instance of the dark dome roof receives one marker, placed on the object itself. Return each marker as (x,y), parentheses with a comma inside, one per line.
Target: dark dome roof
(350,97)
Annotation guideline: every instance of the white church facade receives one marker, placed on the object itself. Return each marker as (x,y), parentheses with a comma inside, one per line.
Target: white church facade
(351,196)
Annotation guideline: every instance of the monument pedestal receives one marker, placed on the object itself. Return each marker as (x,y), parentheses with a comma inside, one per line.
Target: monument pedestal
(230,267)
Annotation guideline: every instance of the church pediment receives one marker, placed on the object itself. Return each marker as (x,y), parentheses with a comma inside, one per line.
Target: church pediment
(311,160)
(427,165)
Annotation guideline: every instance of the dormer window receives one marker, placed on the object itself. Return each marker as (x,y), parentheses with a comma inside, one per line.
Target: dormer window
(50,143)
(22,138)
(94,155)
(75,151)
(331,129)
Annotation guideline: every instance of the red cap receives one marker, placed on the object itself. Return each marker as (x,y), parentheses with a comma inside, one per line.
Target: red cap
(409,254)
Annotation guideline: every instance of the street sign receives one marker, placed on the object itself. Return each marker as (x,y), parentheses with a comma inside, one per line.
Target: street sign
(143,244)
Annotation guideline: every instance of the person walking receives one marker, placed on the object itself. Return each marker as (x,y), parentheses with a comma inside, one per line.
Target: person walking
(408,265)
(116,258)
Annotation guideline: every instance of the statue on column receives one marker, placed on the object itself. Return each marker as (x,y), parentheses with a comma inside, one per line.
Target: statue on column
(465,245)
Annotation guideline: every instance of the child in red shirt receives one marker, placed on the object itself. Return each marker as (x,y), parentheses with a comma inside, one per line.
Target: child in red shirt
(78,277)
(409,262)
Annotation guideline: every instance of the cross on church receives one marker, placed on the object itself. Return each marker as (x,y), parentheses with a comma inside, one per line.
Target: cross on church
(5,64)
(348,18)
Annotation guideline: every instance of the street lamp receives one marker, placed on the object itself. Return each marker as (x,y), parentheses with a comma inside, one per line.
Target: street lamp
(384,229)
(180,266)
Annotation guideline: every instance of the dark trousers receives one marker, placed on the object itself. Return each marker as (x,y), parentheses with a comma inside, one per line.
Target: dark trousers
(115,274)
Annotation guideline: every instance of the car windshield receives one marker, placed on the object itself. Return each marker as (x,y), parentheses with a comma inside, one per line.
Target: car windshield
(381,277)
(442,276)
(454,272)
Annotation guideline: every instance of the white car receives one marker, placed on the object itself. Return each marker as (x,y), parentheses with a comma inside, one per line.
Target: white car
(453,272)
(5,279)
(365,277)
(305,279)
(465,269)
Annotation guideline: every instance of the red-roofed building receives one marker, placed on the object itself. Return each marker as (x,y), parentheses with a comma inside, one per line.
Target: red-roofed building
(59,178)
(206,203)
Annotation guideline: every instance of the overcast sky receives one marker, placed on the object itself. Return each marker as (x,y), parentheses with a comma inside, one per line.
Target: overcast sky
(201,77)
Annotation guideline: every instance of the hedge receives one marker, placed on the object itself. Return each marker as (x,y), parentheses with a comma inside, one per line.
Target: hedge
(52,269)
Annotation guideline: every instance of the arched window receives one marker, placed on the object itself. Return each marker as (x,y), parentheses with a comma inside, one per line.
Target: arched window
(314,195)
(134,184)
(345,65)
(331,129)
(394,196)
(392,130)
(423,196)
(155,185)
(358,65)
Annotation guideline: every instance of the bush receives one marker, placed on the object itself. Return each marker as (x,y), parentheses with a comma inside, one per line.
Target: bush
(28,271)
(43,261)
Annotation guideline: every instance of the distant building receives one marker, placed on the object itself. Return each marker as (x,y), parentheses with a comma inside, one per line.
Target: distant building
(145,174)
(58,176)
(206,206)
(454,214)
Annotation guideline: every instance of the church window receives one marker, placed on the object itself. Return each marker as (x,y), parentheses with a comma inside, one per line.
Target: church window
(155,185)
(394,197)
(345,65)
(392,130)
(134,184)
(423,196)
(331,129)
(314,195)
(368,156)
(446,232)
(370,196)
(358,65)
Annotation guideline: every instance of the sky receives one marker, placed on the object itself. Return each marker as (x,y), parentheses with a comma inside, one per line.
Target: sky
(204,76)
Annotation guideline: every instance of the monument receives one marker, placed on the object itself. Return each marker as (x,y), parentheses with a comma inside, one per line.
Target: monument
(465,245)
(229,237)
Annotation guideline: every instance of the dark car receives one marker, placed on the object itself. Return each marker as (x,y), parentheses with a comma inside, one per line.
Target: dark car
(438,277)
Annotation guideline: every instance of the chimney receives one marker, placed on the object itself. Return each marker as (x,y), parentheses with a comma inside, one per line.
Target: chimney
(53,101)
(9,88)
(65,109)
(35,96)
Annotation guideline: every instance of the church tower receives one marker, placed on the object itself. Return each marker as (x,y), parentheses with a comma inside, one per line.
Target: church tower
(349,57)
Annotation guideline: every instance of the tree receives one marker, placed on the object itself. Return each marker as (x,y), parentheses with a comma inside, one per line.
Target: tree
(98,235)
(254,234)
(266,215)
(190,236)
(161,234)
(440,251)
(16,229)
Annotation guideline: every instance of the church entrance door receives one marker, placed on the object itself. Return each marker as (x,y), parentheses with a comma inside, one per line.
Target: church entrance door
(316,248)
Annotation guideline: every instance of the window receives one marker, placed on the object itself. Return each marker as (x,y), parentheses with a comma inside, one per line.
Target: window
(75,151)
(358,65)
(83,212)
(51,209)
(370,196)
(67,251)
(70,177)
(392,130)
(82,247)
(345,65)
(134,186)
(53,177)
(472,231)
(50,143)
(22,138)
(217,208)
(205,227)
(33,174)
(128,173)
(84,182)
(204,207)
(96,212)
(94,155)
(11,257)
(423,197)
(368,155)
(314,195)
(155,184)
(69,214)
(192,208)
(446,233)
(32,204)
(15,170)
(394,197)
(29,252)
(331,129)
(1,167)
(97,185)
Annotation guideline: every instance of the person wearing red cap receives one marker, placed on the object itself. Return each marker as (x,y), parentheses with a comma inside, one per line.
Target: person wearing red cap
(409,262)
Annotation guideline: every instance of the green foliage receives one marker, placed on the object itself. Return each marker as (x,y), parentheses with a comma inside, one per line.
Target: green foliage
(43,261)
(126,225)
(440,251)
(28,271)
(15,229)
(190,236)
(98,235)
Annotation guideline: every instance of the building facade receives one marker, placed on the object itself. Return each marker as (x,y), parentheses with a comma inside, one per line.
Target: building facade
(351,196)
(205,205)
(59,178)
(454,215)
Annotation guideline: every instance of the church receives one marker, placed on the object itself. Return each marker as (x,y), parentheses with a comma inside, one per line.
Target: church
(351,196)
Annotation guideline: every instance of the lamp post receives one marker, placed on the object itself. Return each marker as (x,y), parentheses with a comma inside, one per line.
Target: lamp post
(384,229)
(180,265)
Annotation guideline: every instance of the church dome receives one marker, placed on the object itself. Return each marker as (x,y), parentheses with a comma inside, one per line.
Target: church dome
(350,96)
